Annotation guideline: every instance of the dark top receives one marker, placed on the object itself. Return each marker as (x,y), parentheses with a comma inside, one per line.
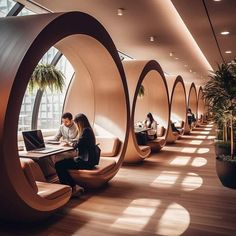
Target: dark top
(86,146)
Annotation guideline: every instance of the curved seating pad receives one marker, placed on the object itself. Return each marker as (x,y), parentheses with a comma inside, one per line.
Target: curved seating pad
(156,144)
(144,148)
(109,145)
(45,190)
(53,191)
(104,166)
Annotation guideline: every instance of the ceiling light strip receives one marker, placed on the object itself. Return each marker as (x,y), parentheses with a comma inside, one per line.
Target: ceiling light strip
(209,19)
(39,5)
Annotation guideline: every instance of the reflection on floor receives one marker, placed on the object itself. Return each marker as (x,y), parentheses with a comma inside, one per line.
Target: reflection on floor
(175,192)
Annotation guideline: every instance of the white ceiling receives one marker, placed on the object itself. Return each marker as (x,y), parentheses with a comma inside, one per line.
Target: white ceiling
(159,18)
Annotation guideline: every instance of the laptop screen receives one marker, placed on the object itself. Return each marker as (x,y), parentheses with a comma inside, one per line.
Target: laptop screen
(33,139)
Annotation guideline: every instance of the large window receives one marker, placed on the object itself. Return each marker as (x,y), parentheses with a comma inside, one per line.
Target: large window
(27,106)
(5,7)
(25,12)
(52,102)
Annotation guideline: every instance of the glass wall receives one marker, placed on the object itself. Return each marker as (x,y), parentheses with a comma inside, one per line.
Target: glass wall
(51,106)
(5,7)
(27,106)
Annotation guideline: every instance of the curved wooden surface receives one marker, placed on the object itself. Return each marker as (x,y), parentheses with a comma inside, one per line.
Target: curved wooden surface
(201,108)
(149,74)
(23,42)
(191,93)
(178,103)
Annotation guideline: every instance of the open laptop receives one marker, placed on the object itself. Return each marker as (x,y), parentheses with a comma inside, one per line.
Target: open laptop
(34,142)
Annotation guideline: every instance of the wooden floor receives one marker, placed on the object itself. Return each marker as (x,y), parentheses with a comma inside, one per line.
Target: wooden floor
(175,192)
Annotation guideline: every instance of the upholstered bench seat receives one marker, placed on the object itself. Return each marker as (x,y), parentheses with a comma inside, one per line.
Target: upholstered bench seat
(156,144)
(93,178)
(46,190)
(105,165)
(52,191)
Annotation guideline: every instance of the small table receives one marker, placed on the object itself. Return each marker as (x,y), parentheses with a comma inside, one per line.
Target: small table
(38,156)
(141,129)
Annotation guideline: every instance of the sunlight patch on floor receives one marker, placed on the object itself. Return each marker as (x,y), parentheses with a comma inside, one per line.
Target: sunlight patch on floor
(191,182)
(137,214)
(174,221)
(188,150)
(200,136)
(188,160)
(180,160)
(196,142)
(178,180)
(199,161)
(203,150)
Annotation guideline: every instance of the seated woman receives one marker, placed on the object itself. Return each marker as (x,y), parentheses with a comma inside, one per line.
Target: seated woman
(152,125)
(191,117)
(85,147)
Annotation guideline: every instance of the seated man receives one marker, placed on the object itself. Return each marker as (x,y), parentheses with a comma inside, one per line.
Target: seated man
(68,130)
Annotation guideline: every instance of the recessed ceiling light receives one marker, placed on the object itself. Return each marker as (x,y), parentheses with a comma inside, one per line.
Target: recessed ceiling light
(176,58)
(190,71)
(224,32)
(217,0)
(228,52)
(152,38)
(120,11)
(186,65)
(171,54)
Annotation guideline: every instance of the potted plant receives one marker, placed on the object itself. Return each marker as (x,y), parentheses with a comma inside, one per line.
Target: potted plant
(46,76)
(220,94)
(141,91)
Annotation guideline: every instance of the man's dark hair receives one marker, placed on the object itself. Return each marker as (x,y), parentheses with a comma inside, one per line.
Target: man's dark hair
(67,115)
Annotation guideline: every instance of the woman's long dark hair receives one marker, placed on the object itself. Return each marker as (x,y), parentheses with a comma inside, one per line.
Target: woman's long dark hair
(149,115)
(82,122)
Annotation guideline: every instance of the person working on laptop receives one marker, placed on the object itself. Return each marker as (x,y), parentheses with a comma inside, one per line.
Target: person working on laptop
(86,153)
(68,133)
(68,130)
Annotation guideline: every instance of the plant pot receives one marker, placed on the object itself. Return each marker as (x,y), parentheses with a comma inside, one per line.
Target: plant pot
(223,148)
(226,171)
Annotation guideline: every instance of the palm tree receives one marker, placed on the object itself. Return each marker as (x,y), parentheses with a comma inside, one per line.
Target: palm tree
(46,76)
(220,93)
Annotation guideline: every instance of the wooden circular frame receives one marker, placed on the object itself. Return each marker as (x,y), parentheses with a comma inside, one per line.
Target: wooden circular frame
(22,46)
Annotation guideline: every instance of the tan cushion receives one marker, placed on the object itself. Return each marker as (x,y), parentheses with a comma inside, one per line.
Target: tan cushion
(52,191)
(160,131)
(144,148)
(109,145)
(26,167)
(104,166)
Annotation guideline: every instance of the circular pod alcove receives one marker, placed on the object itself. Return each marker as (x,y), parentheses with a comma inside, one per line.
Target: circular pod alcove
(178,107)
(191,93)
(155,100)
(201,108)
(22,46)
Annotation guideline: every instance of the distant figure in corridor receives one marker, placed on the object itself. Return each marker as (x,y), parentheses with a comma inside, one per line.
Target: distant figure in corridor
(86,153)
(152,125)
(191,117)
